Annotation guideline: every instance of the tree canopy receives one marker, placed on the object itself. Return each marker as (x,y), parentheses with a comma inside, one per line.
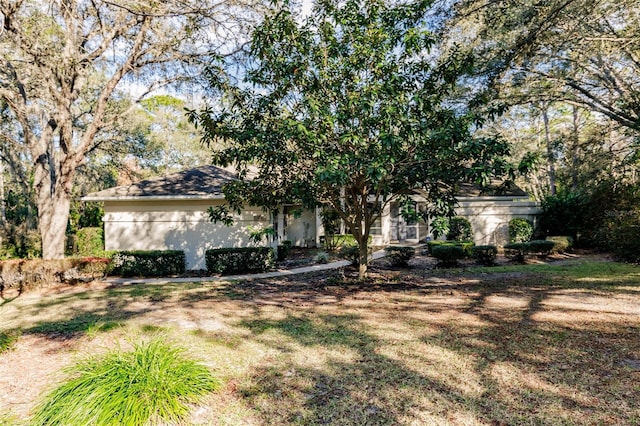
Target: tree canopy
(582,52)
(350,109)
(64,65)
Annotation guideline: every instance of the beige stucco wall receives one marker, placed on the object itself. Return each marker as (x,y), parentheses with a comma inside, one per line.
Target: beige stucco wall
(490,216)
(175,225)
(184,225)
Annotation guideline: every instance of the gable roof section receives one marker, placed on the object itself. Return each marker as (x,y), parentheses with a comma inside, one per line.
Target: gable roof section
(204,182)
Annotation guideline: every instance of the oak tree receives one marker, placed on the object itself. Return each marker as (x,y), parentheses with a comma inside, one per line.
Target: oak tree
(65,63)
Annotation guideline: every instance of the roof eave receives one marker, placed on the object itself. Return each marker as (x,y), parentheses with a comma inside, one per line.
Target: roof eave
(153,197)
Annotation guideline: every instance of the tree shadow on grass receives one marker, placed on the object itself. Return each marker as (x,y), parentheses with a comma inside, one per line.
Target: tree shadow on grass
(522,370)
(365,390)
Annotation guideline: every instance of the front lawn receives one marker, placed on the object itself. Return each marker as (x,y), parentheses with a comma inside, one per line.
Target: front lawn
(555,343)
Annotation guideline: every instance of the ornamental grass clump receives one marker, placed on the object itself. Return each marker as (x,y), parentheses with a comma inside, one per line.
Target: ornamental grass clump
(152,384)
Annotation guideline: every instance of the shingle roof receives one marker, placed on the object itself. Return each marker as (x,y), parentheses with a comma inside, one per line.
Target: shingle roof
(200,182)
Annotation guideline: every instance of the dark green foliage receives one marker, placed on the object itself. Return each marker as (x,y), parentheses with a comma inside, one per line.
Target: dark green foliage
(350,253)
(155,263)
(284,249)
(340,240)
(485,255)
(20,242)
(622,235)
(350,106)
(541,247)
(465,245)
(520,230)
(516,251)
(568,213)
(439,226)
(399,256)
(586,215)
(155,383)
(562,243)
(459,229)
(331,224)
(236,260)
(448,254)
(89,242)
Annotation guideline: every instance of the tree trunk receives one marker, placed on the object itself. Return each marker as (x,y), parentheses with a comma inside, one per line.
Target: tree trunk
(53,215)
(363,258)
(550,154)
(53,185)
(574,149)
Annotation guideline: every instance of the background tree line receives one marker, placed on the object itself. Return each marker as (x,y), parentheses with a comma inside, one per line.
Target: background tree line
(80,111)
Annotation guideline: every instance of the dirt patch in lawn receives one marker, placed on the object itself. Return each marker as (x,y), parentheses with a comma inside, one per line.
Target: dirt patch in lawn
(547,343)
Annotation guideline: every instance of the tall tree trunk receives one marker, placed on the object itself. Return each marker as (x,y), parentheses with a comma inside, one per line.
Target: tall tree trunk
(53,184)
(551,161)
(575,136)
(53,215)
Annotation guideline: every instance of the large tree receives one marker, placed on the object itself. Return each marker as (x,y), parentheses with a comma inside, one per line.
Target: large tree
(351,109)
(581,52)
(64,63)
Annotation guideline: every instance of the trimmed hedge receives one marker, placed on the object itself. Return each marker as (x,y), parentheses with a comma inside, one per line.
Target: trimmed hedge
(448,254)
(242,259)
(518,251)
(399,256)
(485,255)
(562,243)
(284,249)
(541,247)
(152,263)
(466,246)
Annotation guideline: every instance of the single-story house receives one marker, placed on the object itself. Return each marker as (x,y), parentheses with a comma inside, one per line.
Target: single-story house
(170,213)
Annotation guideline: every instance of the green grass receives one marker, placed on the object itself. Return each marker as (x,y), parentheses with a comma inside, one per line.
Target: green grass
(8,340)
(151,384)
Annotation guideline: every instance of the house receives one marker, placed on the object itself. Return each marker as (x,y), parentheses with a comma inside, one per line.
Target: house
(170,213)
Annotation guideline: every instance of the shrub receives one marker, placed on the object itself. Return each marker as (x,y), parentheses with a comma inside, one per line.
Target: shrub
(465,245)
(434,243)
(284,249)
(350,253)
(562,243)
(89,242)
(340,240)
(570,213)
(622,235)
(155,263)
(459,229)
(448,254)
(516,251)
(321,257)
(520,230)
(485,255)
(541,247)
(399,256)
(243,259)
(153,383)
